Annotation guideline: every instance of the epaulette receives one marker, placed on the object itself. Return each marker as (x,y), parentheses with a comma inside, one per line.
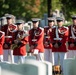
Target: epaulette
(65,27)
(41,28)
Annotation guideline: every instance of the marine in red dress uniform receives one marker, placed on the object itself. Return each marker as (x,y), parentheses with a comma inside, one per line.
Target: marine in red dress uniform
(47,40)
(36,35)
(72,39)
(2,38)
(9,28)
(59,38)
(19,42)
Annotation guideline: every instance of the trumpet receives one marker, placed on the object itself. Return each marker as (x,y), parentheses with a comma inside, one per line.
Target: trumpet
(19,37)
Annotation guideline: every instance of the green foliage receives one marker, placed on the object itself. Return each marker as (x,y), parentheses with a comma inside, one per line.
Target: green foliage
(56,4)
(67,24)
(23,8)
(36,8)
(69,8)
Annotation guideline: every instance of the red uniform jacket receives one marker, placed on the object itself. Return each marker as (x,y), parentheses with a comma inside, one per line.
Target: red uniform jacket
(8,34)
(62,42)
(70,38)
(38,35)
(2,37)
(47,38)
(21,49)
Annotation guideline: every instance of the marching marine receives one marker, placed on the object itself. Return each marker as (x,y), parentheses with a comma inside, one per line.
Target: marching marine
(20,39)
(72,39)
(8,28)
(59,39)
(36,35)
(47,40)
(2,38)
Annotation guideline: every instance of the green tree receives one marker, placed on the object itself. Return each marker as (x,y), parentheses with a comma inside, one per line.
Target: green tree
(28,9)
(23,8)
(69,7)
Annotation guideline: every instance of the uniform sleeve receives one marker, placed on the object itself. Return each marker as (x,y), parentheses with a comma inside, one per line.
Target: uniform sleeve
(29,38)
(24,41)
(2,39)
(66,36)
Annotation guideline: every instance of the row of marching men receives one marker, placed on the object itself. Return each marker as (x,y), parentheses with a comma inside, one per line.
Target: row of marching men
(59,41)
(52,43)
(12,41)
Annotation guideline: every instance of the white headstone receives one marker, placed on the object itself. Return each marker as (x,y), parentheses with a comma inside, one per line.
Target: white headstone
(48,67)
(30,57)
(36,67)
(0,70)
(69,66)
(73,69)
(31,67)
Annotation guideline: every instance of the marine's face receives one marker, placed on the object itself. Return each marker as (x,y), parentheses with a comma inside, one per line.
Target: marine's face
(9,21)
(74,21)
(35,24)
(59,23)
(51,23)
(20,26)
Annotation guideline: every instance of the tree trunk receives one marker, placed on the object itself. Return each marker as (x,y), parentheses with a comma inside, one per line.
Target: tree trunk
(49,6)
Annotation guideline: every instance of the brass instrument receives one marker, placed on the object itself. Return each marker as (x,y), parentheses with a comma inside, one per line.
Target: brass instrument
(19,37)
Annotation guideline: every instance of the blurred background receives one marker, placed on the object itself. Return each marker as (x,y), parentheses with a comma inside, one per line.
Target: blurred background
(26,9)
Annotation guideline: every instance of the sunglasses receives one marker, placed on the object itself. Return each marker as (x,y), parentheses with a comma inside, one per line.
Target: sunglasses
(18,23)
(59,20)
(74,18)
(34,21)
(50,21)
(8,18)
